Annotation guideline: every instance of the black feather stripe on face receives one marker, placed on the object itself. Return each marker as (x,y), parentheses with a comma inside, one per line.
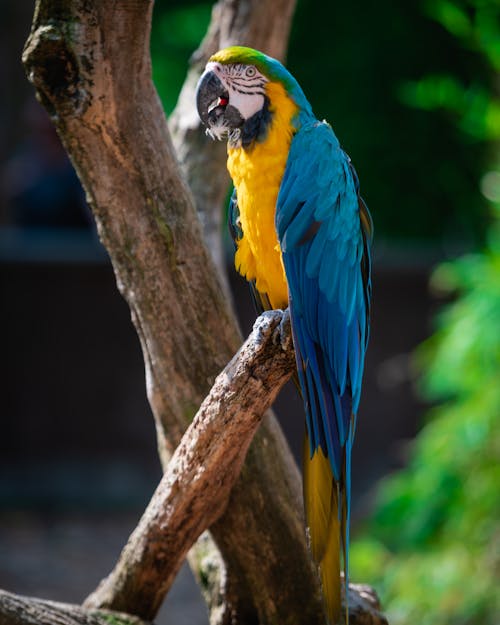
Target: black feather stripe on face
(232,103)
(256,127)
(232,117)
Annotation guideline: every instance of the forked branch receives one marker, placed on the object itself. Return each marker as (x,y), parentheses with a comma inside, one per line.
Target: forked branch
(192,494)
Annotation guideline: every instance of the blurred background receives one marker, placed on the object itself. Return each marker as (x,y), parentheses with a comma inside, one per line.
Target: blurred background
(413,92)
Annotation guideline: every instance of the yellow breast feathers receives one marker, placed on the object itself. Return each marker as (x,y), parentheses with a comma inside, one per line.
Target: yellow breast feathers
(257,172)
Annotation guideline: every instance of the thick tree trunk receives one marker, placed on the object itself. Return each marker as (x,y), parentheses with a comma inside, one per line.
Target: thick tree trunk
(195,487)
(89,62)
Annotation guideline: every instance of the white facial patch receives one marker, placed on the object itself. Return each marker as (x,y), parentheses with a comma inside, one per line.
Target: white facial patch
(245,86)
(246,104)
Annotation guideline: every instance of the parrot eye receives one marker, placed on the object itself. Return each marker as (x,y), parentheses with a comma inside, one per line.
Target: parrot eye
(250,72)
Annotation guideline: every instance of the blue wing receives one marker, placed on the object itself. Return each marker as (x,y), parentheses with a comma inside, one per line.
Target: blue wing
(324,229)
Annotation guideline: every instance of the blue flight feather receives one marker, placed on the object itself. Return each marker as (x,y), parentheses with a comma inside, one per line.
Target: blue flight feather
(324,230)
(330,245)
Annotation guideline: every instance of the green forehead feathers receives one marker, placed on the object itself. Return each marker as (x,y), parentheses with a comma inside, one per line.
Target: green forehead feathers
(248,56)
(271,68)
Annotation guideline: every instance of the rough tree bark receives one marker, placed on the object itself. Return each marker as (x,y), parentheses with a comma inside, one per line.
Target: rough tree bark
(17,610)
(193,491)
(89,62)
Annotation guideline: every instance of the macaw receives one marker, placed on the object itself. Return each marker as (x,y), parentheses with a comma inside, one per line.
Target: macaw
(302,235)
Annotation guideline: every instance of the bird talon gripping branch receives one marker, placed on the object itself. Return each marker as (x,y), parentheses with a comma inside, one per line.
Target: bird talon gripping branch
(302,235)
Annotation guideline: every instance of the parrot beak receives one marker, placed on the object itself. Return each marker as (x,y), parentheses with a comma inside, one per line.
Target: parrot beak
(212,98)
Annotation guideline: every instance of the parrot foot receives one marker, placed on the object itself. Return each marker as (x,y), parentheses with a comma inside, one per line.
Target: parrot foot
(277,323)
(285,331)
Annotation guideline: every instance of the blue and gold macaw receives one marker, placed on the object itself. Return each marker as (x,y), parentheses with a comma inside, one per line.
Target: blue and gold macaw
(302,235)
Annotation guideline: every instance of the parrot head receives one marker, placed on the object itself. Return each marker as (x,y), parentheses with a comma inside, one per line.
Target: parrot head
(232,96)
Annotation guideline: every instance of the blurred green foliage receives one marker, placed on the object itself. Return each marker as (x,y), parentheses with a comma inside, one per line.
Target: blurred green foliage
(476,25)
(360,65)
(432,547)
(177,30)
(418,174)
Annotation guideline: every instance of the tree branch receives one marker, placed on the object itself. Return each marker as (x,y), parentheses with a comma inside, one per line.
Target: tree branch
(18,610)
(195,488)
(90,64)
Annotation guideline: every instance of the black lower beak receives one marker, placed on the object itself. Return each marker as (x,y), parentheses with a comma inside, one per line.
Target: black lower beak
(208,90)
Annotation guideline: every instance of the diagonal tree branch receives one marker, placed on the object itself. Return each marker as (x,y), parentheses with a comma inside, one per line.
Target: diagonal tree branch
(192,493)
(194,490)
(89,62)
(18,610)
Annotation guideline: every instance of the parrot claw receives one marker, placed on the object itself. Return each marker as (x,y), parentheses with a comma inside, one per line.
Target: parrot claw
(285,331)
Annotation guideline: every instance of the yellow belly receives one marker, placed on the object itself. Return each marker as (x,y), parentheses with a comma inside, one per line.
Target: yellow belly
(256,173)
